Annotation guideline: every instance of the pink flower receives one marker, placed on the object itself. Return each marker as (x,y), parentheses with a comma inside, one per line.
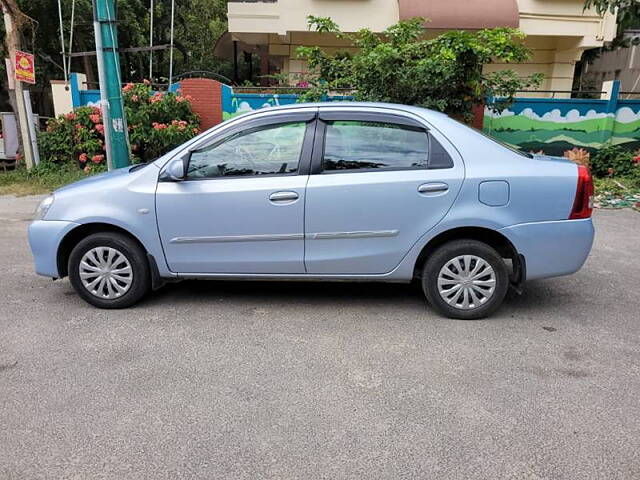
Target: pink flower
(96,110)
(159,126)
(156,97)
(78,127)
(127,87)
(95,118)
(83,158)
(181,124)
(134,98)
(146,82)
(97,158)
(70,116)
(100,128)
(636,159)
(86,169)
(195,130)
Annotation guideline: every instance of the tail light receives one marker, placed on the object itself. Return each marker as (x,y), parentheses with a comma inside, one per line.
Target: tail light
(583,203)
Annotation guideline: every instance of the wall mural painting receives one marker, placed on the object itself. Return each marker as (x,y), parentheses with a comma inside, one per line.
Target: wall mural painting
(557,125)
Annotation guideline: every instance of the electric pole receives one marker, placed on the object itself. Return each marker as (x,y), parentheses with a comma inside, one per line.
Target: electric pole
(13,18)
(115,125)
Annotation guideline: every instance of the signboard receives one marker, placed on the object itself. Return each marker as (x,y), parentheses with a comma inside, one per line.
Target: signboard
(25,67)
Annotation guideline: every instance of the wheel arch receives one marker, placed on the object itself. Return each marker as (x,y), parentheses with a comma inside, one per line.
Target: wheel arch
(493,238)
(72,238)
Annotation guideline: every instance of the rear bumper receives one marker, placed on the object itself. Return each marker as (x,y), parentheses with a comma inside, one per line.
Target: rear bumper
(554,248)
(44,239)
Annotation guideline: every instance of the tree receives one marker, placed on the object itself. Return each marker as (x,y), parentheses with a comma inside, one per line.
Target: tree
(628,11)
(198,24)
(400,66)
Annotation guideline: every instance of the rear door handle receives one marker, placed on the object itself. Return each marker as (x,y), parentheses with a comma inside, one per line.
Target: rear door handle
(433,187)
(278,197)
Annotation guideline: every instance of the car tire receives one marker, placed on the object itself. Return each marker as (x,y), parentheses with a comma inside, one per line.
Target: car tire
(109,270)
(465,279)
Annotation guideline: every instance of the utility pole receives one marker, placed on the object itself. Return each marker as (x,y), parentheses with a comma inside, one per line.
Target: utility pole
(12,21)
(115,125)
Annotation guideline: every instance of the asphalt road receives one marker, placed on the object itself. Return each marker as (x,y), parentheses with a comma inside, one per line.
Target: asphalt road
(283,380)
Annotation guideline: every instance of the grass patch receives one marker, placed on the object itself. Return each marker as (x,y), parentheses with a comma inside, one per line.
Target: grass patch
(620,192)
(44,178)
(617,186)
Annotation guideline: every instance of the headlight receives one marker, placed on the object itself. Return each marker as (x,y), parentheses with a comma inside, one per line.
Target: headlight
(43,208)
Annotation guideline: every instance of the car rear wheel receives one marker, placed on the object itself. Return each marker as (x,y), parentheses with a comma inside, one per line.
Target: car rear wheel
(109,270)
(465,279)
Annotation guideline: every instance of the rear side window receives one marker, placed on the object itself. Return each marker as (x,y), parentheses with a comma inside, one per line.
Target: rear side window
(439,157)
(363,145)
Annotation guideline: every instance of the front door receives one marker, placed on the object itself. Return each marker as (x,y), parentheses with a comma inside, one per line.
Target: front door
(241,207)
(378,183)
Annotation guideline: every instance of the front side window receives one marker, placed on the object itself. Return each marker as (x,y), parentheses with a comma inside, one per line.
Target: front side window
(268,150)
(360,145)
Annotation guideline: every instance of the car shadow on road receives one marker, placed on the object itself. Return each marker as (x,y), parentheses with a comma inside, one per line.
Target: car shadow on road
(538,296)
(287,292)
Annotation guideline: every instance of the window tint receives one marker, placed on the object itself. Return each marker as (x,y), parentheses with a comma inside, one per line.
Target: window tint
(439,157)
(264,150)
(352,145)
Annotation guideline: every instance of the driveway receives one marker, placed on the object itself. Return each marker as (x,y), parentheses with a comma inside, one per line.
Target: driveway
(297,380)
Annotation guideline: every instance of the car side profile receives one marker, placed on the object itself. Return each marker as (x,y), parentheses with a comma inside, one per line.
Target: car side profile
(325,192)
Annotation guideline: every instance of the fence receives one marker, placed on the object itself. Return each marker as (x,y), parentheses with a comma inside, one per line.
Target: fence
(555,125)
(552,125)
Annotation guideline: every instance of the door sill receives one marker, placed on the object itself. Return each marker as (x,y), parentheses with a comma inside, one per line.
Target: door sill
(295,277)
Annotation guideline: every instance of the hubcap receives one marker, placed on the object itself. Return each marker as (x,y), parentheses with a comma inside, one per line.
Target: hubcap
(466,282)
(106,272)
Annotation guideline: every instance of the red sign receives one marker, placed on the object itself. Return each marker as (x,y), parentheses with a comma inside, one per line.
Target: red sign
(25,67)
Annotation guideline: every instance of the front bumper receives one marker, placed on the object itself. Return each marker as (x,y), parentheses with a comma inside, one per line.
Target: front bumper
(554,248)
(44,239)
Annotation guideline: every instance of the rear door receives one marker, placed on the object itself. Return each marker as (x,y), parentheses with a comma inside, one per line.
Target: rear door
(378,182)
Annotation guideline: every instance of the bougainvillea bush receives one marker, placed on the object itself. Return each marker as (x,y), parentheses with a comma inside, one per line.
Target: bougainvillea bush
(157,122)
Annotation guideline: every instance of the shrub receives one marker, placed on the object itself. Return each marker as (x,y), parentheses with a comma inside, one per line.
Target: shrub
(401,66)
(614,160)
(579,156)
(157,122)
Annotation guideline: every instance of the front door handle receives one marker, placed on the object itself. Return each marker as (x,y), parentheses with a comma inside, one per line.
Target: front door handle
(433,187)
(283,197)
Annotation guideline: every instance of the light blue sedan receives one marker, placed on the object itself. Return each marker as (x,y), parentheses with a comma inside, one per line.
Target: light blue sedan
(325,192)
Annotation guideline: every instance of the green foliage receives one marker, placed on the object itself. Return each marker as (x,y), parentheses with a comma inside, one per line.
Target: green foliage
(614,160)
(157,123)
(399,66)
(198,24)
(628,11)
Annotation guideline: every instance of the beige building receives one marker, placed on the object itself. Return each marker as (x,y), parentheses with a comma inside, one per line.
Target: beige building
(622,63)
(558,31)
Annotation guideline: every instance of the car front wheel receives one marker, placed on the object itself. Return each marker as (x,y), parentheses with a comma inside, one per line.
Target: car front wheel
(109,270)
(465,279)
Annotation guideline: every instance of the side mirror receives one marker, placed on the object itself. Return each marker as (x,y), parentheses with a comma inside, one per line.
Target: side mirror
(175,171)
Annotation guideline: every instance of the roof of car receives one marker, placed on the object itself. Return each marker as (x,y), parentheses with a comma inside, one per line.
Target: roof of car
(423,112)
